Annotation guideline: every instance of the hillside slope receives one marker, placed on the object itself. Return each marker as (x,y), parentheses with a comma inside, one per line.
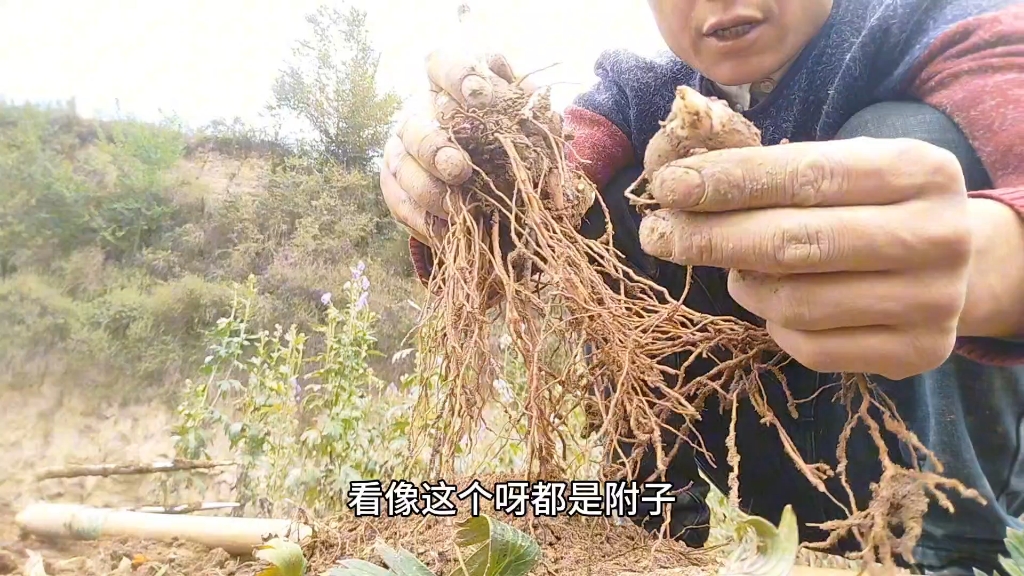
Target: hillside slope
(121,243)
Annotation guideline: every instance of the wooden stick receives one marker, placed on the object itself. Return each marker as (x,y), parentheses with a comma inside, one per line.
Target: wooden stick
(236,536)
(121,469)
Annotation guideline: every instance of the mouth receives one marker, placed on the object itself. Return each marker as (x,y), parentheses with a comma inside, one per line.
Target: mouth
(731,28)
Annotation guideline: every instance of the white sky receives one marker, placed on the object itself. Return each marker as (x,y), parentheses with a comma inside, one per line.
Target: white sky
(217,58)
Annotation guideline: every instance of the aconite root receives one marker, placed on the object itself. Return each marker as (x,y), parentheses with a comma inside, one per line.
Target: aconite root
(513,250)
(695,125)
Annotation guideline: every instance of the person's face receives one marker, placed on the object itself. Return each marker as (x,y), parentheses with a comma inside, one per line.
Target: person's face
(738,41)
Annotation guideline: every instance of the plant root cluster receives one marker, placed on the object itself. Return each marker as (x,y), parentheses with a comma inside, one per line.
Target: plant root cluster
(513,252)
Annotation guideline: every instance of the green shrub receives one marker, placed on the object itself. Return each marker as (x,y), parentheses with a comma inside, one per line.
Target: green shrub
(331,86)
(56,198)
(238,140)
(36,315)
(303,425)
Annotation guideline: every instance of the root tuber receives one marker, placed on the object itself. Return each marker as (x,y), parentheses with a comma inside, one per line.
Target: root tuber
(695,125)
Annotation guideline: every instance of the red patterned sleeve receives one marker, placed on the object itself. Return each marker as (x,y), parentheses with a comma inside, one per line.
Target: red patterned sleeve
(599,149)
(974,73)
(422,260)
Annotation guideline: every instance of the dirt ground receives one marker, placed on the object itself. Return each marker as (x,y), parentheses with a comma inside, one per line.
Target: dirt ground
(49,427)
(45,426)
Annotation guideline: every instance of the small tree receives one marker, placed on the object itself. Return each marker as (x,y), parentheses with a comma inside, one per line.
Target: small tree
(332,86)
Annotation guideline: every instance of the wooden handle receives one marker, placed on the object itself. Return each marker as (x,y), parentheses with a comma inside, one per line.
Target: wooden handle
(236,536)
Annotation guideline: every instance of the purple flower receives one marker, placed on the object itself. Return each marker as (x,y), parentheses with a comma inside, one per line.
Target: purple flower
(357,272)
(326,299)
(365,283)
(364,299)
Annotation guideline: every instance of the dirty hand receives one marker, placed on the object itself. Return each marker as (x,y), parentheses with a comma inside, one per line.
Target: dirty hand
(855,252)
(421,161)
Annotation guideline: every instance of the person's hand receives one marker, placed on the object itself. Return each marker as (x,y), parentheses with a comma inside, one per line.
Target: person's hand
(421,162)
(855,252)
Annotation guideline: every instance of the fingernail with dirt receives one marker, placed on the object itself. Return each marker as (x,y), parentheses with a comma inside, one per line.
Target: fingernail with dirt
(678,187)
(476,91)
(656,235)
(452,165)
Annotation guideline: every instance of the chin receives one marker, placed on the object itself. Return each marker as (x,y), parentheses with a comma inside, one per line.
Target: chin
(739,71)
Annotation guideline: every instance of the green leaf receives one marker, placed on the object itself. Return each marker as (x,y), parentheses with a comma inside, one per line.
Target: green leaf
(763,549)
(401,562)
(1014,565)
(235,432)
(310,437)
(503,551)
(356,567)
(285,557)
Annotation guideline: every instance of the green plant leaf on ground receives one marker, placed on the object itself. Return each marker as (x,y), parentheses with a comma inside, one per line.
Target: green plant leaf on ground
(285,557)
(1014,565)
(503,551)
(400,562)
(356,567)
(763,549)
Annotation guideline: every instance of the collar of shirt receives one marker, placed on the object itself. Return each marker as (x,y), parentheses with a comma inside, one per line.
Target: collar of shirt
(745,96)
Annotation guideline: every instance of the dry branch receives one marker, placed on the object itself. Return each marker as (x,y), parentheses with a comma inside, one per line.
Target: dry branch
(105,470)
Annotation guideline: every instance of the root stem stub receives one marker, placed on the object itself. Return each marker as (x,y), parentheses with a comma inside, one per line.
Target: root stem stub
(513,252)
